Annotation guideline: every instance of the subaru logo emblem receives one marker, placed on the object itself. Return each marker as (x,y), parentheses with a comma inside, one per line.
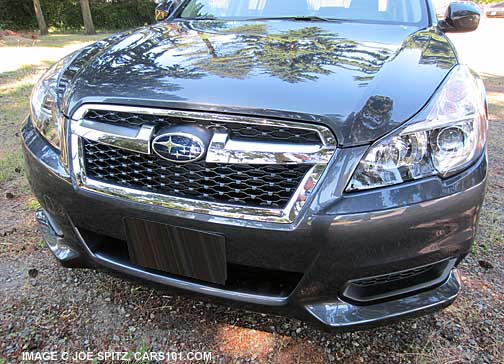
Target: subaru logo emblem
(179,147)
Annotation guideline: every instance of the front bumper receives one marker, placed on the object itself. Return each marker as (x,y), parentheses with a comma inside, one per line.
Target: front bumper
(338,239)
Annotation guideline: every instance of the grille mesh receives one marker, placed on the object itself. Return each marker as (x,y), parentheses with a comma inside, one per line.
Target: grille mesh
(238,131)
(239,184)
(388,278)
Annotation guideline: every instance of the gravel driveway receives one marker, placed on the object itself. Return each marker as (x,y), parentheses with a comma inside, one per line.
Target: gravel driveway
(44,307)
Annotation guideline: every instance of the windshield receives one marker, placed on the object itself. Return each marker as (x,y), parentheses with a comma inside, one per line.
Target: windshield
(396,11)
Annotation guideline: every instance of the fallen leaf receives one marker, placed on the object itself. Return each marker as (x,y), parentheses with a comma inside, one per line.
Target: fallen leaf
(33,272)
(485,264)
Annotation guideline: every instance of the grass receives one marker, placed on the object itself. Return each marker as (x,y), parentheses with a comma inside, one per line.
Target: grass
(491,222)
(41,244)
(10,164)
(495,85)
(14,104)
(53,40)
(490,233)
(6,77)
(141,352)
(33,204)
(15,90)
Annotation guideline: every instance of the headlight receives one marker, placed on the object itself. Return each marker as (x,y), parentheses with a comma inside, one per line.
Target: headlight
(446,137)
(45,110)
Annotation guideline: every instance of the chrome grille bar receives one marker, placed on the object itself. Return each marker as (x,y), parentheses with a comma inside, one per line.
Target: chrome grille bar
(135,140)
(326,136)
(225,150)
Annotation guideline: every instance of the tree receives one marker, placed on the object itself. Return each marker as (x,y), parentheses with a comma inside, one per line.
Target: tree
(86,16)
(40,18)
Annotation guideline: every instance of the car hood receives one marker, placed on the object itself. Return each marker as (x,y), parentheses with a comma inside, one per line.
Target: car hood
(361,80)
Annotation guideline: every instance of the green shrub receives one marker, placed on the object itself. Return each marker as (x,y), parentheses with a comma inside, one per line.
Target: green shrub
(119,14)
(17,14)
(66,14)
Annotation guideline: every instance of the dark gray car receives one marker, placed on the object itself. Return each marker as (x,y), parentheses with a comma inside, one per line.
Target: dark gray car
(322,159)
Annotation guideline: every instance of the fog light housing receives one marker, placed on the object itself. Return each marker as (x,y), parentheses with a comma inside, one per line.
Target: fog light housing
(54,240)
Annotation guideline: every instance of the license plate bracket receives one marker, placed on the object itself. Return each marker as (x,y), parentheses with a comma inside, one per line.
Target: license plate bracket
(175,250)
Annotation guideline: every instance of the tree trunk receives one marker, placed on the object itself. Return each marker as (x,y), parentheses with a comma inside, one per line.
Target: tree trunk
(86,16)
(40,18)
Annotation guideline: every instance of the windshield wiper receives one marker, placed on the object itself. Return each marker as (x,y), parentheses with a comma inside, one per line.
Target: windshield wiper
(297,18)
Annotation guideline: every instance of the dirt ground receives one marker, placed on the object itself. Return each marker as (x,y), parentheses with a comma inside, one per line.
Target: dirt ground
(44,307)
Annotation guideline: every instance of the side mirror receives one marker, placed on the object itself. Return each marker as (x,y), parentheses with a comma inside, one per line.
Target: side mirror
(460,17)
(164,9)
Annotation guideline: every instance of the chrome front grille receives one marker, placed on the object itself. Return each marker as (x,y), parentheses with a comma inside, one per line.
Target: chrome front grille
(253,169)
(270,185)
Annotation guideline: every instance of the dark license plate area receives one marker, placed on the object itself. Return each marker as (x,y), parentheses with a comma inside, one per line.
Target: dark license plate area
(176,250)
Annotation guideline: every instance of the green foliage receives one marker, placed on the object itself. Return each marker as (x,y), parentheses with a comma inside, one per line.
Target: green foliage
(66,14)
(119,14)
(17,14)
(488,1)
(62,14)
